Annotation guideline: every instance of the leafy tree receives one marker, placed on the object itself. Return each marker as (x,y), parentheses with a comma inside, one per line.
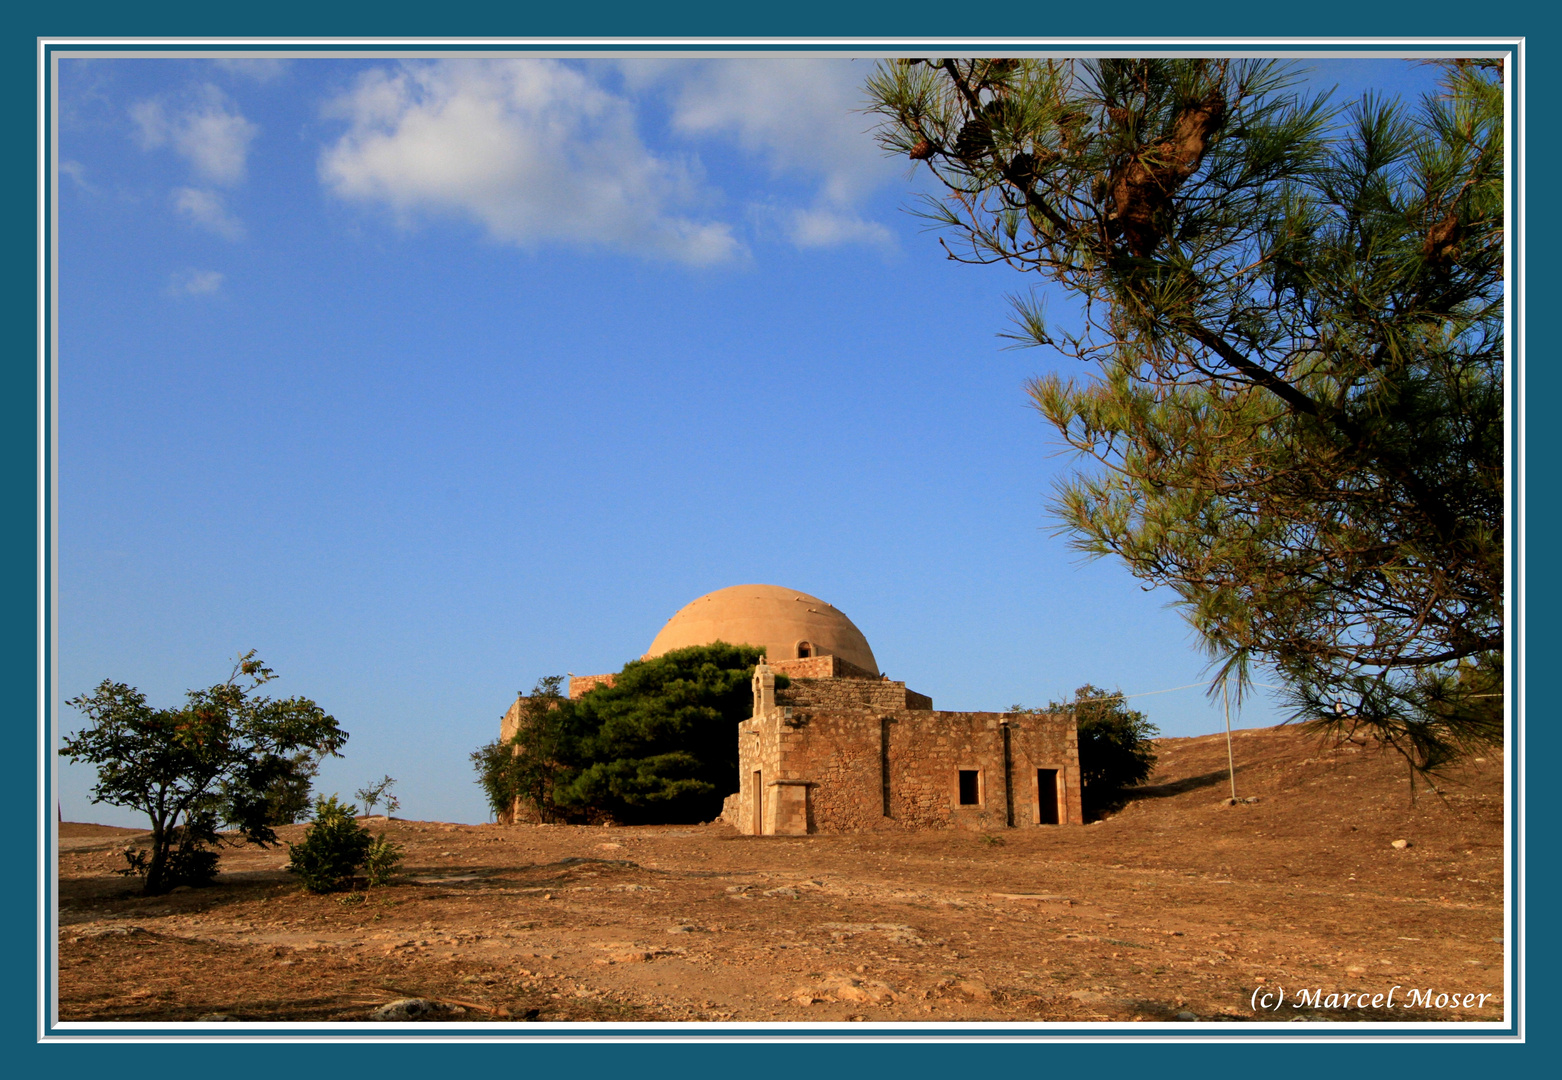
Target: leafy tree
(1116,744)
(1295,316)
(214,762)
(657,746)
(522,769)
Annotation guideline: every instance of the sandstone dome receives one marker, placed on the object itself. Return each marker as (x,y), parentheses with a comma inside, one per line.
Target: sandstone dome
(788,623)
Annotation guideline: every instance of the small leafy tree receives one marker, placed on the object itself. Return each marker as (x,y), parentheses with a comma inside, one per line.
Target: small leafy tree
(378,792)
(1116,748)
(522,769)
(217,761)
(333,848)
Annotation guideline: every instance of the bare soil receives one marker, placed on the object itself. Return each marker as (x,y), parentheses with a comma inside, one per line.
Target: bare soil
(1178,906)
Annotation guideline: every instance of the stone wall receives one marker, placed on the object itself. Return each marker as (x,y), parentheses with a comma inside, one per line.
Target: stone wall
(878,694)
(820,667)
(580,685)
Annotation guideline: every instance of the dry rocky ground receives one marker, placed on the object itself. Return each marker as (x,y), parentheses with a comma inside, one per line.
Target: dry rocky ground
(1176,907)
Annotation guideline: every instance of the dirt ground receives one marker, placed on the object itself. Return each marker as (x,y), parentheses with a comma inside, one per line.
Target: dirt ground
(1179,907)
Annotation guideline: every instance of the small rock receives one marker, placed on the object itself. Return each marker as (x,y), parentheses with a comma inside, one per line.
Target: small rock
(786,892)
(1400,845)
(1251,799)
(180,888)
(1186,1015)
(609,847)
(1086,996)
(213,1018)
(687,928)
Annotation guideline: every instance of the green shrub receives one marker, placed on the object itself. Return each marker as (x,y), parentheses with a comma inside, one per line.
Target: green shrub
(381,860)
(333,849)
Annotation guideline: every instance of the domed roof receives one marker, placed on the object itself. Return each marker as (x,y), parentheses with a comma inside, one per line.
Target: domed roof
(786,622)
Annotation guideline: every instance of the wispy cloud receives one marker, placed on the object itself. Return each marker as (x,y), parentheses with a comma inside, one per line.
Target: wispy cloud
(195,282)
(78,174)
(801,117)
(206,208)
(208,131)
(534,150)
(261,69)
(824,227)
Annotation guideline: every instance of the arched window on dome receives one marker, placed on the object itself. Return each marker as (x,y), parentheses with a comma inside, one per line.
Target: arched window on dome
(804,649)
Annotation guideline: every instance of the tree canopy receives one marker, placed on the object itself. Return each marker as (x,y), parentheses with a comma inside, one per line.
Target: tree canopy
(1294,316)
(659,745)
(218,761)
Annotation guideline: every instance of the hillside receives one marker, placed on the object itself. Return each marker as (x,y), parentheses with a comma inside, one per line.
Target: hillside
(1179,906)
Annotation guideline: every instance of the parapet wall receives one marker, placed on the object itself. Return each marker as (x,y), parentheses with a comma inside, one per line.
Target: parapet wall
(820,667)
(874,694)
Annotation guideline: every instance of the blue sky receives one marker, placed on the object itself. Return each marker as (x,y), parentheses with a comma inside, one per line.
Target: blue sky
(427,379)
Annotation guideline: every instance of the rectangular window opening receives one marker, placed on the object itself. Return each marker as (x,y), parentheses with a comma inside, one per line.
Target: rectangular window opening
(970,787)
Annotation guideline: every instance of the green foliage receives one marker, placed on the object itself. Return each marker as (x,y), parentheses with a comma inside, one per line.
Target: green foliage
(215,762)
(657,746)
(286,782)
(1295,317)
(1116,748)
(333,848)
(379,791)
(522,769)
(381,860)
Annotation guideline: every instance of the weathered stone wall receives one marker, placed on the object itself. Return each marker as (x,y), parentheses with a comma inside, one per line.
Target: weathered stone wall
(820,667)
(580,685)
(876,694)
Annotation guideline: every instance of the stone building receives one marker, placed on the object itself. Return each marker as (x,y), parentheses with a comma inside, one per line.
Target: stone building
(844,748)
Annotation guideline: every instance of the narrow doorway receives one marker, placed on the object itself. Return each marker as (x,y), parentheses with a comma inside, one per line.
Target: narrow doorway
(1047,796)
(759,805)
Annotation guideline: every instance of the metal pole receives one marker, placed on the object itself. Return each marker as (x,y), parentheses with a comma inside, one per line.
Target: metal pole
(1231,765)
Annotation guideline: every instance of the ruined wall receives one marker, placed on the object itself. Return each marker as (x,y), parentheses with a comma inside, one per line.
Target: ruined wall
(831,757)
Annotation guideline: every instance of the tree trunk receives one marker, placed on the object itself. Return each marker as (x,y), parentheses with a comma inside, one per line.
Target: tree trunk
(156,871)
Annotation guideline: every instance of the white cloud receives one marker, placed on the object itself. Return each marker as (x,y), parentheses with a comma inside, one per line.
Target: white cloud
(534,150)
(801,115)
(206,208)
(822,227)
(208,132)
(195,282)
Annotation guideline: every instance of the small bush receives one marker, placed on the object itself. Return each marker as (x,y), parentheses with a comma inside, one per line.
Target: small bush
(382,859)
(333,848)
